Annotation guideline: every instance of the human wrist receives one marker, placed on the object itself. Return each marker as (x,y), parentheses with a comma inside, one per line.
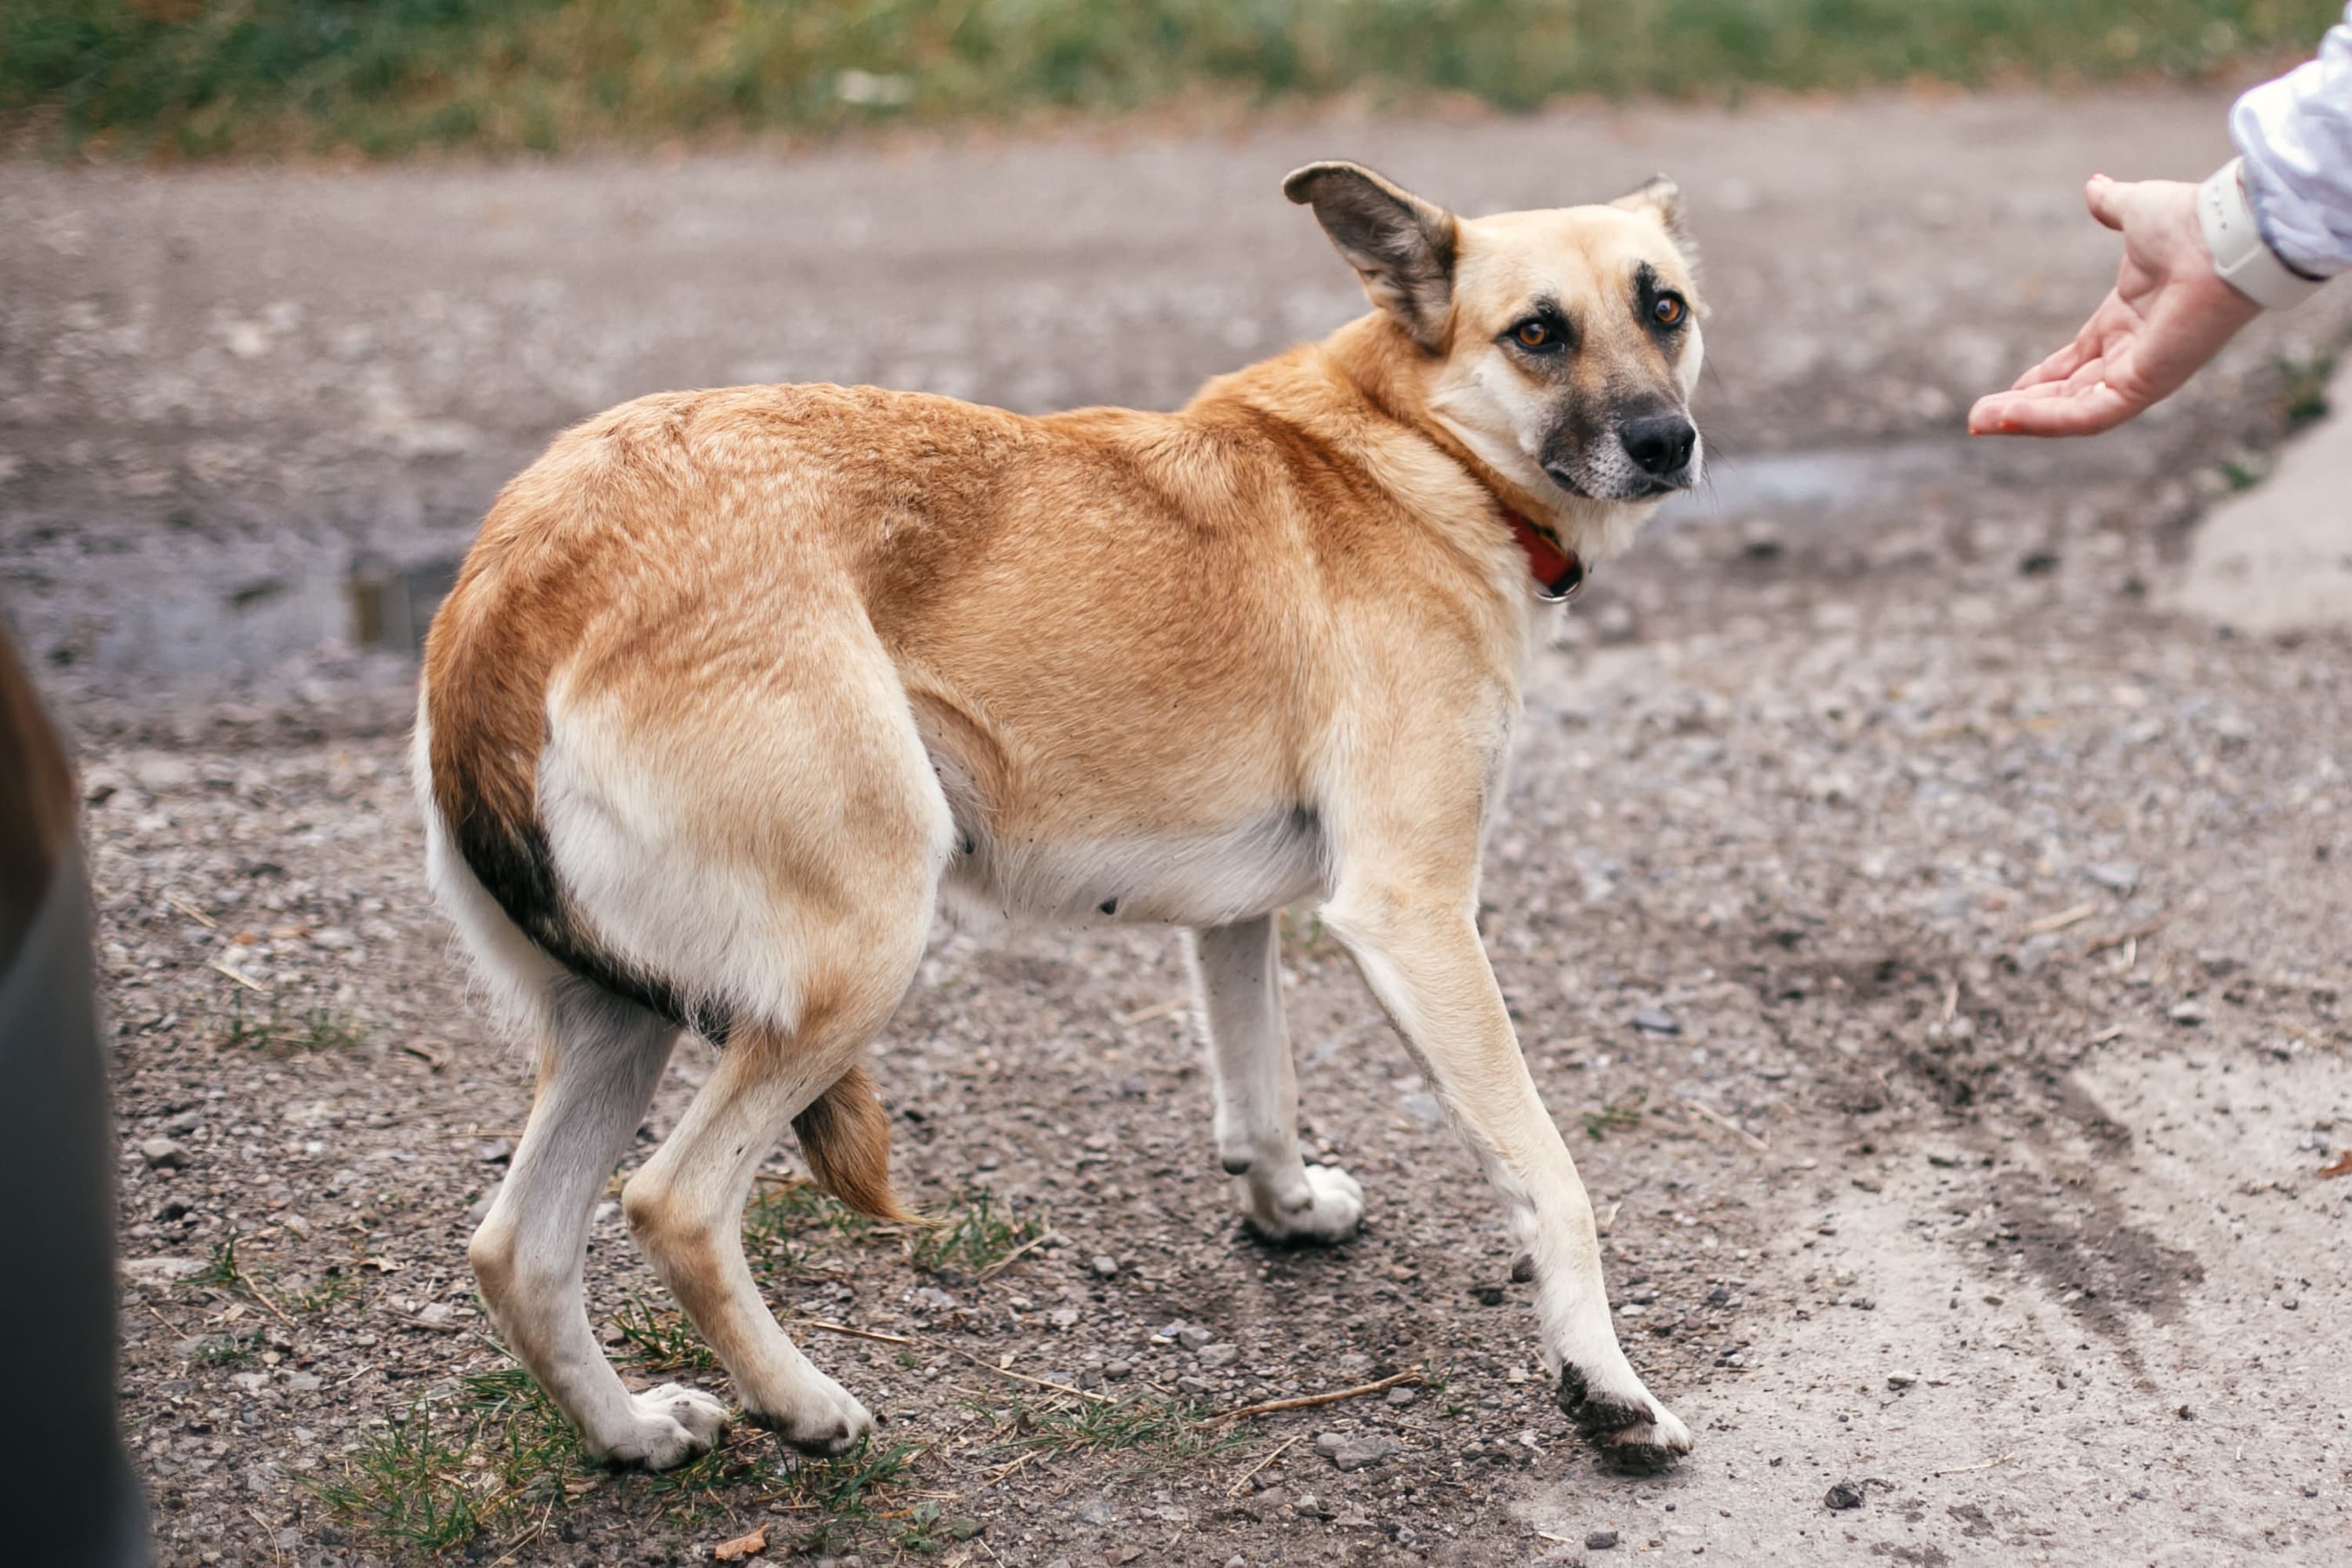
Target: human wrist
(2240,257)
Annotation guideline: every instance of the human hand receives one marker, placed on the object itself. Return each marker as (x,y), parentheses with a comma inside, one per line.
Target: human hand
(2168,314)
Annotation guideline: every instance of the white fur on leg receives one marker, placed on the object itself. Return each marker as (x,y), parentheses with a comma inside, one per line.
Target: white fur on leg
(1328,1208)
(1426,966)
(672,1424)
(1284,1199)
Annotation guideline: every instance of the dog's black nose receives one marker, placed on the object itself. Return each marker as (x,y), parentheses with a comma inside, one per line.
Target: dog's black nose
(1661,444)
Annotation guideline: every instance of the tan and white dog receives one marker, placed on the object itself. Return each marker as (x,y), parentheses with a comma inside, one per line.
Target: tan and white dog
(735,684)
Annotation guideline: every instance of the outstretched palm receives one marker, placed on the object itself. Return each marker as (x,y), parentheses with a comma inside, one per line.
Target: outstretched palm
(2168,314)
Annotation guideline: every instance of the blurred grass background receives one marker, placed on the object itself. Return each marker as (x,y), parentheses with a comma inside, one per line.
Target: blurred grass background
(201,77)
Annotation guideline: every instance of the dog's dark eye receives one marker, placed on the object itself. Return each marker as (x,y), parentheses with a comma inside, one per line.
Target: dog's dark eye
(1669,310)
(1534,334)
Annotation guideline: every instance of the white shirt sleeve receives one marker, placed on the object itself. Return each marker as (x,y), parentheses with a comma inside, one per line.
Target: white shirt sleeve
(2296,134)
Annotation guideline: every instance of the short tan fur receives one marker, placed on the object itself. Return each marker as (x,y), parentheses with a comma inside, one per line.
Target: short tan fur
(736,685)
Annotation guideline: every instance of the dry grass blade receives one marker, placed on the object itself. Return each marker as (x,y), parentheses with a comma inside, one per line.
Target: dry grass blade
(1729,1125)
(248,981)
(855,1334)
(2146,928)
(2061,920)
(1005,1262)
(995,1371)
(1280,1448)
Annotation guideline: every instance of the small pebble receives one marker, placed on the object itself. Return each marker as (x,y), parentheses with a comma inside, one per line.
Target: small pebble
(1843,1495)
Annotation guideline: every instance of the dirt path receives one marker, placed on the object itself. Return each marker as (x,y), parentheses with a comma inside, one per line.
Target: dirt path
(1998,916)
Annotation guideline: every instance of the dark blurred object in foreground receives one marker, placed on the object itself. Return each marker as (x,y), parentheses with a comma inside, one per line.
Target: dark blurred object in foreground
(65,1490)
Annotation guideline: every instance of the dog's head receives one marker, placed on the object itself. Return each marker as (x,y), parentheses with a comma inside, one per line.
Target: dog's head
(1560,347)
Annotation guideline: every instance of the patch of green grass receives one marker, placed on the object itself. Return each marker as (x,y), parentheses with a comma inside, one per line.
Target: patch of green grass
(331,1291)
(659,1341)
(790,1226)
(221,1272)
(226,1350)
(230,1274)
(197,78)
(1165,1430)
(1617,1116)
(315,1029)
(930,1528)
(495,1457)
(974,1235)
(414,1483)
(2242,477)
(2304,395)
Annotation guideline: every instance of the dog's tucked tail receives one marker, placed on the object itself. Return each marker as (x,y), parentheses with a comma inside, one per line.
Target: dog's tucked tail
(845,1138)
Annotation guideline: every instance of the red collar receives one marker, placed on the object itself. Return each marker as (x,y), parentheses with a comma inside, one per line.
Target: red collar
(1558,573)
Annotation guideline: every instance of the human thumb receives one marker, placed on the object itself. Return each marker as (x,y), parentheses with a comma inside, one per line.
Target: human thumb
(2105,198)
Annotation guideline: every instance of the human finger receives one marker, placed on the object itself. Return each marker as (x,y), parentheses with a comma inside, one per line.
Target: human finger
(2105,197)
(2085,412)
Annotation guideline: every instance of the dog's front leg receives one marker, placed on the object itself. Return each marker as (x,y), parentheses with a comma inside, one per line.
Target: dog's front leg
(1238,971)
(1421,954)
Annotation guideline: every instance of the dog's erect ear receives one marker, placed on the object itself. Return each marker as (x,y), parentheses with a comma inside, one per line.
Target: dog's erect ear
(1659,198)
(1401,247)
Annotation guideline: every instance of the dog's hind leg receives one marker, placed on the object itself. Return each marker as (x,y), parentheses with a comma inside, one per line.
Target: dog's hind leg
(598,1067)
(1238,971)
(685,1209)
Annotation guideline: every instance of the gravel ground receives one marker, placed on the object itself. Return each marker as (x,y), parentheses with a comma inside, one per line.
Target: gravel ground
(1933,948)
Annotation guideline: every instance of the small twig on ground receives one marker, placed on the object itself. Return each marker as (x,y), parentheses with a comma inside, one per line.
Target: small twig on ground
(429,1056)
(2061,920)
(191,910)
(1157,1010)
(1005,1472)
(1310,1401)
(268,1533)
(254,1288)
(995,1371)
(857,1333)
(1951,999)
(1968,1469)
(1005,1262)
(248,981)
(1729,1125)
(1241,1485)
(2146,928)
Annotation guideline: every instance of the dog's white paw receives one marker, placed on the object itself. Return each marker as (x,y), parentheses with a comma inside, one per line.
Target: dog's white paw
(1329,1207)
(1617,1415)
(671,1425)
(819,1417)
